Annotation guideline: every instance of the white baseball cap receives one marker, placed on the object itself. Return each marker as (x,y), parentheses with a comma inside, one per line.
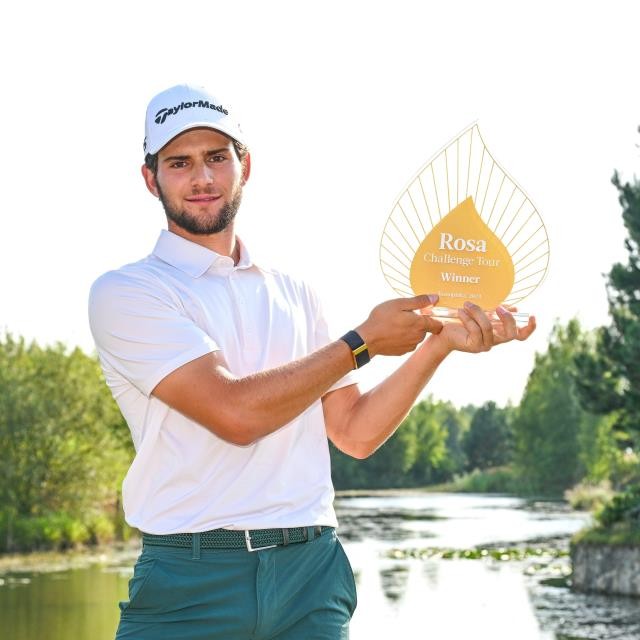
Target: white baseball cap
(186,107)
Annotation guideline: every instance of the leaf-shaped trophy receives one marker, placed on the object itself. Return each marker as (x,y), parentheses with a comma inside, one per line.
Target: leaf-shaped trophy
(464,229)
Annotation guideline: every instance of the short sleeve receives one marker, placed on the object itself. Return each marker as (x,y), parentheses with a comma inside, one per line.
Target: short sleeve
(141,330)
(324,336)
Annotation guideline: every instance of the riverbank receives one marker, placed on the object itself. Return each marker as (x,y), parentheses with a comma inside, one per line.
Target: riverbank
(493,481)
(78,558)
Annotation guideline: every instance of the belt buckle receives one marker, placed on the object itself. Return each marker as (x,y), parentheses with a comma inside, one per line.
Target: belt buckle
(250,548)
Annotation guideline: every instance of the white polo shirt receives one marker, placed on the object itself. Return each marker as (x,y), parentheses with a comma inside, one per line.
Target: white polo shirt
(181,302)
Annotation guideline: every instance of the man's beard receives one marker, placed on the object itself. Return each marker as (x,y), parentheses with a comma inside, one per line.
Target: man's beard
(202,226)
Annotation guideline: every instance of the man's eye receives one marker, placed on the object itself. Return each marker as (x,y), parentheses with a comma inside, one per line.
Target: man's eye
(217,158)
(179,164)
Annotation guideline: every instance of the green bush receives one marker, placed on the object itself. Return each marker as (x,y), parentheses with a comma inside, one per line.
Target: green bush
(102,529)
(589,497)
(54,528)
(52,531)
(30,533)
(623,506)
(626,471)
(496,480)
(75,532)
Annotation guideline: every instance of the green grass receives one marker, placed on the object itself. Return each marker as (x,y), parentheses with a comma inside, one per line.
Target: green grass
(495,480)
(620,534)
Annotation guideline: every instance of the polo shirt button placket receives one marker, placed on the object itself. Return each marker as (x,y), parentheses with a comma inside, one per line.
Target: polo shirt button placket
(249,315)
(238,303)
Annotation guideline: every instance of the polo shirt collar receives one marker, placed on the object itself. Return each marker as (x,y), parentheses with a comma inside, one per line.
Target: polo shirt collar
(194,259)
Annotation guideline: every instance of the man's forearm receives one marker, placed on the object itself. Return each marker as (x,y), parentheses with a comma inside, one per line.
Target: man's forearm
(244,409)
(376,414)
(270,399)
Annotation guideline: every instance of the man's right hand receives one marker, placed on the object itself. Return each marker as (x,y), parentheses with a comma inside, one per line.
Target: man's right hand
(394,328)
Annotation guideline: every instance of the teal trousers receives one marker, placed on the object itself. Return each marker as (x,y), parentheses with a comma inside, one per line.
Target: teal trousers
(302,591)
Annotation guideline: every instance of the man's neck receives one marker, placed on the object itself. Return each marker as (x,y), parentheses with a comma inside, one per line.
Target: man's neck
(224,243)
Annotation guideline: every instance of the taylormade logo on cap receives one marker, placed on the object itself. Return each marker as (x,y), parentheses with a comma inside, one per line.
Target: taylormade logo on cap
(161,116)
(185,107)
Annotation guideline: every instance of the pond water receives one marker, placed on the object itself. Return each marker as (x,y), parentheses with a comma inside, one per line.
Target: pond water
(405,589)
(431,597)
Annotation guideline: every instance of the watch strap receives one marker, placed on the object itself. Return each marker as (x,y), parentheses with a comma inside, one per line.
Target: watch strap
(359,348)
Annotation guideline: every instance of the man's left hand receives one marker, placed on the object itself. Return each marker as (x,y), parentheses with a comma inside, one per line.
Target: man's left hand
(476,332)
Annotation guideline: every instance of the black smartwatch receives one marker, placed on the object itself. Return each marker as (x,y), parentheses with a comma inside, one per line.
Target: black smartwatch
(359,349)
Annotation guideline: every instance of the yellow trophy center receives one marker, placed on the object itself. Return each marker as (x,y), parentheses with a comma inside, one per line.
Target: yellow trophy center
(461,259)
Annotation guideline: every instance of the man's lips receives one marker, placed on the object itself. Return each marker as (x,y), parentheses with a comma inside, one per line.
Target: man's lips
(206,197)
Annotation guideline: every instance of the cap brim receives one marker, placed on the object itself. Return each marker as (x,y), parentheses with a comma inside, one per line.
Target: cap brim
(170,135)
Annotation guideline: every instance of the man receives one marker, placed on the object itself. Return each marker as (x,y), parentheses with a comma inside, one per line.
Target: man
(227,377)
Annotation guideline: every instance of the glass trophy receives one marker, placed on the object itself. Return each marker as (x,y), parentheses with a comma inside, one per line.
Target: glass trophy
(465,230)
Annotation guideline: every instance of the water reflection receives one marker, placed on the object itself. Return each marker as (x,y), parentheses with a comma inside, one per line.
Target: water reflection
(359,523)
(452,520)
(79,603)
(592,617)
(430,574)
(435,598)
(393,581)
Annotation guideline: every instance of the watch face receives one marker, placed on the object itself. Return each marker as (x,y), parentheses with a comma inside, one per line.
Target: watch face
(361,356)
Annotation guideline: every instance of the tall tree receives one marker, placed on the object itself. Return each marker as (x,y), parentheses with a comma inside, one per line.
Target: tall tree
(609,371)
(489,441)
(550,419)
(456,424)
(431,420)
(59,434)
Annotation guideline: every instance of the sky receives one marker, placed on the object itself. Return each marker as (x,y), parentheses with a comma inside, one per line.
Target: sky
(342,103)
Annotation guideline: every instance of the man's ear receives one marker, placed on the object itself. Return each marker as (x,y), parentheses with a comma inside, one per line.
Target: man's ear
(246,168)
(150,180)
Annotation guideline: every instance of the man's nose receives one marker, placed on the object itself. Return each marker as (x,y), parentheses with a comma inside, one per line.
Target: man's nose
(202,174)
